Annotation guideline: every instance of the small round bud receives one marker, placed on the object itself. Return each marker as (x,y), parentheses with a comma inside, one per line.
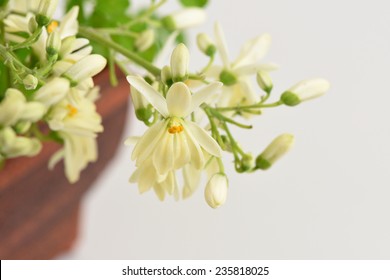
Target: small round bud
(30,82)
(145,40)
(247,162)
(216,190)
(227,78)
(275,150)
(32,25)
(144,114)
(22,127)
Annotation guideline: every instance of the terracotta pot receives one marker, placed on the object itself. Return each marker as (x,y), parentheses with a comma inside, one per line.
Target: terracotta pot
(39,209)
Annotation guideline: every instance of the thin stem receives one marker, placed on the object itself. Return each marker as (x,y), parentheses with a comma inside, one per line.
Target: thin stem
(111,67)
(146,14)
(29,41)
(113,31)
(254,106)
(220,165)
(91,34)
(211,61)
(221,117)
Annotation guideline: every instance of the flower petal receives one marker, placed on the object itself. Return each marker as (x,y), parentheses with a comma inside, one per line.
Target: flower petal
(179,100)
(181,150)
(203,94)
(204,139)
(221,45)
(163,155)
(153,96)
(191,180)
(197,158)
(253,50)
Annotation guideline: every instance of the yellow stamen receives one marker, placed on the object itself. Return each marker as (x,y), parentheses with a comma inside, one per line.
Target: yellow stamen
(52,26)
(175,129)
(72,110)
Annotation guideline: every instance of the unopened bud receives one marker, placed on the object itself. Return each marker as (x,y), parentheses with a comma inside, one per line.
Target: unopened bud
(247,163)
(87,67)
(264,81)
(145,40)
(46,10)
(22,127)
(216,190)
(53,44)
(32,25)
(305,90)
(278,147)
(166,75)
(179,63)
(205,44)
(30,82)
(185,18)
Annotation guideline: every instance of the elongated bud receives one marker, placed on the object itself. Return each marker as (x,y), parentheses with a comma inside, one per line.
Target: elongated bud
(179,63)
(46,10)
(32,25)
(145,40)
(87,67)
(12,145)
(52,92)
(216,190)
(184,19)
(142,109)
(53,44)
(30,82)
(205,44)
(166,75)
(305,90)
(264,81)
(278,147)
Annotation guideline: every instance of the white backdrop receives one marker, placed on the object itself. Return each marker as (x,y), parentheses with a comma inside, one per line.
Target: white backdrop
(328,198)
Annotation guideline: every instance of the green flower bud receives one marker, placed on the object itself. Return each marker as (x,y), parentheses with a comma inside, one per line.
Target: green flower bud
(179,63)
(205,44)
(304,90)
(145,40)
(166,75)
(227,78)
(22,127)
(53,44)
(144,114)
(275,150)
(247,162)
(264,81)
(32,25)
(30,82)
(46,10)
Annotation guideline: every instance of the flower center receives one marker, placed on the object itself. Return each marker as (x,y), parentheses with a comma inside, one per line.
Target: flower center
(71,110)
(175,126)
(52,26)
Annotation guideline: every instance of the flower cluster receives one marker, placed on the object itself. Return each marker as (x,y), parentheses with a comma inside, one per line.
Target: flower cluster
(52,87)
(174,103)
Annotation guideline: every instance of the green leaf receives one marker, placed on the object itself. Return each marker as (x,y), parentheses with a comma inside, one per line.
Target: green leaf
(194,3)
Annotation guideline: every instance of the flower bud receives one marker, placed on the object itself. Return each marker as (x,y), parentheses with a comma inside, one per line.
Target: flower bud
(53,44)
(52,92)
(227,77)
(166,75)
(185,18)
(12,145)
(305,90)
(278,147)
(145,40)
(46,10)
(87,67)
(205,44)
(179,63)
(11,107)
(247,163)
(32,25)
(216,190)
(30,82)
(264,81)
(142,109)
(22,127)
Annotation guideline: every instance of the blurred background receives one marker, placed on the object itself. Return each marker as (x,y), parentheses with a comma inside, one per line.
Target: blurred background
(327,199)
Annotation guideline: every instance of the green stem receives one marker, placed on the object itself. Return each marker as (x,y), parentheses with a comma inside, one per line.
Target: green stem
(29,41)
(118,31)
(91,34)
(220,165)
(10,59)
(254,106)
(221,117)
(211,61)
(111,67)
(146,14)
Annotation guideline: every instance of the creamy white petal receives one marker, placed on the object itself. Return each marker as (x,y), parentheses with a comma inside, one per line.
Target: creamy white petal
(197,158)
(181,150)
(179,100)
(253,50)
(153,96)
(160,192)
(163,155)
(221,45)
(191,177)
(250,69)
(203,94)
(69,24)
(204,139)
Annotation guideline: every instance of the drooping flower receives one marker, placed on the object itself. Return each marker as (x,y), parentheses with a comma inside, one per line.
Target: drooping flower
(174,141)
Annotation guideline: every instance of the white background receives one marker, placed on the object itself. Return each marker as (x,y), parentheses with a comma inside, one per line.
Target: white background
(328,198)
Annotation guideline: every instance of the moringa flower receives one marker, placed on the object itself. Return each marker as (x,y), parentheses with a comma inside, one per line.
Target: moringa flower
(216,190)
(174,141)
(304,90)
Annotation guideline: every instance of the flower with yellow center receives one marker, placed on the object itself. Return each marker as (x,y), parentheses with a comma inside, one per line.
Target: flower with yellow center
(174,141)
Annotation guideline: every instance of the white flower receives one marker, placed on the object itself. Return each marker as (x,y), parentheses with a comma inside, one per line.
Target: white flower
(274,151)
(237,87)
(305,90)
(78,125)
(12,145)
(216,190)
(205,44)
(174,141)
(52,92)
(15,107)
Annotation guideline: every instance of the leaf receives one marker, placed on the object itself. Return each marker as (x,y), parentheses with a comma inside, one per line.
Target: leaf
(194,3)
